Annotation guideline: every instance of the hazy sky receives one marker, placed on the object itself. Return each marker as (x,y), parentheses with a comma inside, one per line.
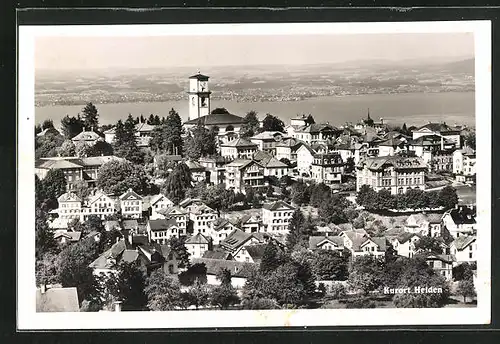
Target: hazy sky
(192,51)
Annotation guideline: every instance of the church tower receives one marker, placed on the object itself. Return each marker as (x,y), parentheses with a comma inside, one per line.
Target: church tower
(199,96)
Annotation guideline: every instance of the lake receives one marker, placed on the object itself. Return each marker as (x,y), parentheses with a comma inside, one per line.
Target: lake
(411,108)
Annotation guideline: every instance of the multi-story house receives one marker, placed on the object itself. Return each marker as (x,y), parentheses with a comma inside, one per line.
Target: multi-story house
(220,229)
(198,173)
(250,223)
(359,243)
(305,158)
(242,173)
(464,165)
(276,217)
(404,244)
(424,224)
(160,231)
(179,215)
(70,207)
(158,202)
(346,150)
(440,160)
(197,245)
(143,134)
(442,264)
(74,169)
(100,205)
(464,249)
(321,242)
(214,168)
(313,133)
(131,204)
(439,129)
(287,149)
(327,168)
(394,173)
(272,166)
(238,239)
(202,217)
(238,149)
(391,146)
(250,253)
(428,145)
(460,221)
(268,140)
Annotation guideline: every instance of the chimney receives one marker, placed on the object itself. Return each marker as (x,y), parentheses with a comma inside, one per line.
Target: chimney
(118,306)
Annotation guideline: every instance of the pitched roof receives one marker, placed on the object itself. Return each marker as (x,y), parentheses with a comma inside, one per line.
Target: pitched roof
(239,142)
(314,241)
(276,205)
(356,238)
(217,119)
(194,165)
(68,197)
(381,242)
(463,215)
(72,236)
(197,239)
(112,224)
(201,208)
(130,194)
(463,241)
(130,224)
(156,198)
(162,224)
(289,142)
(404,237)
(237,269)
(437,127)
(86,136)
(256,251)
(316,128)
(267,160)
(58,164)
(268,135)
(57,300)
(235,239)
(96,196)
(170,210)
(398,162)
(103,261)
(144,127)
(391,142)
(199,77)
(217,255)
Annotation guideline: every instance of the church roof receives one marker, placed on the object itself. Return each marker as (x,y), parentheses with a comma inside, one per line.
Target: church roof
(199,76)
(217,119)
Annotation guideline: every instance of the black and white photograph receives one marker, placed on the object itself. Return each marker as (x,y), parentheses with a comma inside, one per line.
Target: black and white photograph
(254,175)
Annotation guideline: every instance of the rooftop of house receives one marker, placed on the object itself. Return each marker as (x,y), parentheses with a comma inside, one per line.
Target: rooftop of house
(436,127)
(224,255)
(277,205)
(256,252)
(235,239)
(289,142)
(70,235)
(405,236)
(68,197)
(239,142)
(171,211)
(463,214)
(197,239)
(316,128)
(189,201)
(464,241)
(392,142)
(424,217)
(130,195)
(194,165)
(447,258)
(268,160)
(87,136)
(217,119)
(198,209)
(269,135)
(237,269)
(156,198)
(57,299)
(162,224)
(314,241)
(74,162)
(381,242)
(398,162)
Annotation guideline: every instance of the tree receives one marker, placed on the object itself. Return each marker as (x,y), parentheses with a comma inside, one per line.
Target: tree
(100,148)
(54,185)
(71,126)
(200,142)
(448,197)
(38,129)
(46,145)
(176,183)
(428,244)
(365,196)
(67,149)
(90,117)
(44,236)
(142,119)
(179,248)
(250,126)
(74,271)
(319,194)
(272,123)
(366,274)
(194,272)
(349,166)
(167,137)
(125,141)
(385,200)
(462,271)
(309,120)
(46,269)
(295,227)
(466,288)
(199,294)
(224,294)
(81,189)
(162,291)
(337,291)
(128,285)
(470,139)
(82,149)
(333,209)
(116,177)
(300,193)
(47,124)
(271,258)
(330,265)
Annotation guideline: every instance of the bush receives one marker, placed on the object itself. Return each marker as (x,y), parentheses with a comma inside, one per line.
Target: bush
(361,303)
(260,303)
(337,290)
(321,289)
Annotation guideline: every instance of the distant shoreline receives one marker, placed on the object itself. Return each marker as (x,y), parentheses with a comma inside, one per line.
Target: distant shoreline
(292,99)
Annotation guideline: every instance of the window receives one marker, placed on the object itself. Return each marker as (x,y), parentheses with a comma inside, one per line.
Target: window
(470,255)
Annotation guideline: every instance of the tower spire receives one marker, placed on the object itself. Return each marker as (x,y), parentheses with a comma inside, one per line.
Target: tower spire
(368,113)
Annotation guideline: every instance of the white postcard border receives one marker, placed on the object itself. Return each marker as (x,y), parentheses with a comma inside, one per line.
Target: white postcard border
(27,317)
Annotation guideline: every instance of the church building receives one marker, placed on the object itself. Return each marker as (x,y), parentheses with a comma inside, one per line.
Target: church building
(227,124)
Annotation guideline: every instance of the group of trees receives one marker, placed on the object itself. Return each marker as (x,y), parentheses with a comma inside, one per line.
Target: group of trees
(215,196)
(167,136)
(413,199)
(201,142)
(125,141)
(116,177)
(280,281)
(177,183)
